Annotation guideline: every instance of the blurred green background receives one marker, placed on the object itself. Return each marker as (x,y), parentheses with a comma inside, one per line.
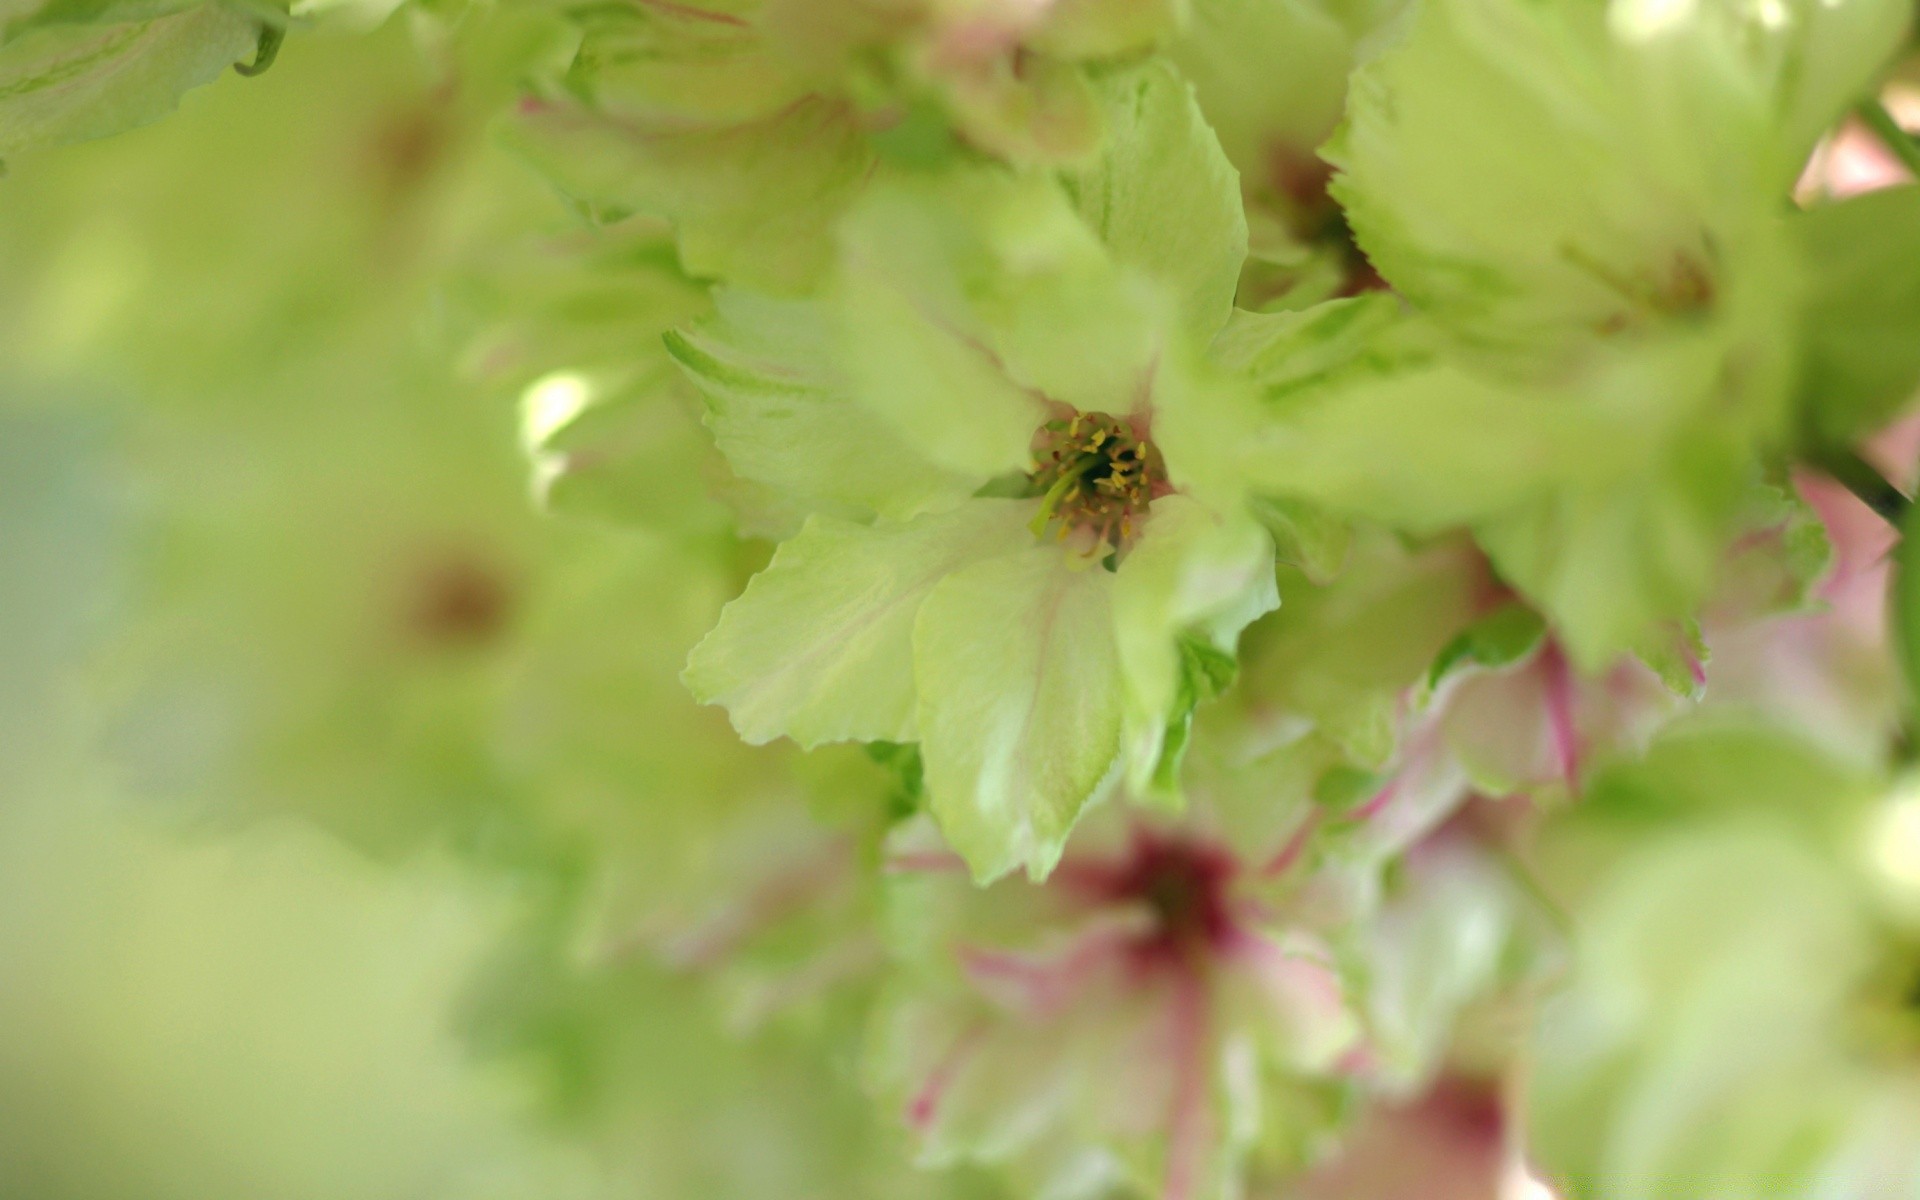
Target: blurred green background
(320,742)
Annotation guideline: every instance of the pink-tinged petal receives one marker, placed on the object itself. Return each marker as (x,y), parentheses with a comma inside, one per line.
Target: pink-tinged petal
(1187,1118)
(1444,1146)
(1088,878)
(1044,987)
(723,932)
(1427,785)
(850,959)
(1380,799)
(1500,727)
(1303,999)
(1854,160)
(1559,689)
(908,862)
(1296,845)
(693,12)
(924,1107)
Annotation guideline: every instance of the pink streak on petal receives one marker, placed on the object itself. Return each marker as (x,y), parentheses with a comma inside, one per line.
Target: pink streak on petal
(692,13)
(1186,1120)
(1380,799)
(1284,972)
(1695,668)
(1566,738)
(1044,986)
(1358,1061)
(925,1105)
(779,895)
(1088,878)
(1296,845)
(923,860)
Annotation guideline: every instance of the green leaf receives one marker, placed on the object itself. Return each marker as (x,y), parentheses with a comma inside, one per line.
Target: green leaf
(68,83)
(903,765)
(1502,638)
(1163,196)
(1021,705)
(1862,361)
(1206,671)
(819,648)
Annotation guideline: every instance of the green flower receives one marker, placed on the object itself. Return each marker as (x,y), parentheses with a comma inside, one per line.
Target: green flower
(1009,561)
(1721,1028)
(1271,77)
(1586,207)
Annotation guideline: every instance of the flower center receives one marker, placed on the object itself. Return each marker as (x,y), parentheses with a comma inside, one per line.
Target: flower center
(1096,477)
(1185,885)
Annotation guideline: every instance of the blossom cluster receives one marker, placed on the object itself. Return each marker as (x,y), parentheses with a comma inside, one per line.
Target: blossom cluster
(1288,577)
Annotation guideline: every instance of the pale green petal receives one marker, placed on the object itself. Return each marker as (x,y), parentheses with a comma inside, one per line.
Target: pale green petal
(1611,562)
(1284,351)
(1717,997)
(1425,449)
(621,447)
(697,60)
(67,83)
(1026,109)
(1798,63)
(18,16)
(1456,926)
(979,293)
(1021,704)
(1192,573)
(819,648)
(1106,28)
(1269,74)
(924,269)
(1494,171)
(782,413)
(1163,196)
(753,202)
(1305,537)
(1341,655)
(1424,442)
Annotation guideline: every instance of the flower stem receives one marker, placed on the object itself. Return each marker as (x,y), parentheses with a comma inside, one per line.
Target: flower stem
(1897,140)
(1865,481)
